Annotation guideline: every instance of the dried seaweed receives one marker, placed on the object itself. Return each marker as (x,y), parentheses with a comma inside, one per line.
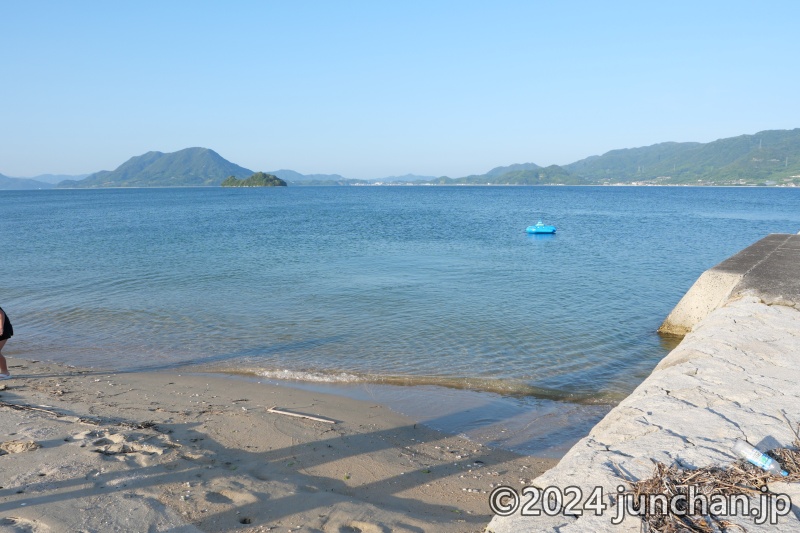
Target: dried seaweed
(740,477)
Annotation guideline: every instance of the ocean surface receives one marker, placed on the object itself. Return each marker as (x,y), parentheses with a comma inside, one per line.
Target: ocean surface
(416,296)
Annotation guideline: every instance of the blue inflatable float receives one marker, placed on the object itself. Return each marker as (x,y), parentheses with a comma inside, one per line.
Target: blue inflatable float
(541,228)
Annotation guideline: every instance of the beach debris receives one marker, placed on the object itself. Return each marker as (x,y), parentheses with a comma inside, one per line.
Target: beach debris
(277,411)
(739,478)
(18,446)
(761,460)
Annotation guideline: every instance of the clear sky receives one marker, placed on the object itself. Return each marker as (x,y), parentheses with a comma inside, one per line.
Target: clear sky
(369,89)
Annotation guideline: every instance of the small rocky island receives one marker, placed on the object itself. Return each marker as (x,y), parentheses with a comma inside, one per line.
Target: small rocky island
(259,179)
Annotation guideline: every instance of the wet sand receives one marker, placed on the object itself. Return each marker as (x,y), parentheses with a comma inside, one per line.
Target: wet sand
(96,451)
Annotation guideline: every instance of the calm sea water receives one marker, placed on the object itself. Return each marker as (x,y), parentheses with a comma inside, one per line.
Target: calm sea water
(398,285)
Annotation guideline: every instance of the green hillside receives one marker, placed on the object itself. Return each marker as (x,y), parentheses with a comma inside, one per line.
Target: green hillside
(259,179)
(533,175)
(766,158)
(552,175)
(191,167)
(499,171)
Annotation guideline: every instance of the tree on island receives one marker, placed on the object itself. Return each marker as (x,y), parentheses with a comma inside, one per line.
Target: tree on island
(259,179)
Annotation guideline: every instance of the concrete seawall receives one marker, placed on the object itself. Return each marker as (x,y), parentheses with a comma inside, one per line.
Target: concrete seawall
(770,269)
(735,375)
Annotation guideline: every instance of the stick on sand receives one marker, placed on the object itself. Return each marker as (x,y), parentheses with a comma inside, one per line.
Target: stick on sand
(299,415)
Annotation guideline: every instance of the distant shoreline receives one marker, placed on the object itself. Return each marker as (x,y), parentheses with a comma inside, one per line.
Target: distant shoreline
(296,186)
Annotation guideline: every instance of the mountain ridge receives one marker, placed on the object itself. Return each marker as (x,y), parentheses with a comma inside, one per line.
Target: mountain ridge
(760,158)
(290,176)
(769,157)
(190,167)
(7,183)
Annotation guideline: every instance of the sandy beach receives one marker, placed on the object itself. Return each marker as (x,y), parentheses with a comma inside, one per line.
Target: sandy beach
(87,450)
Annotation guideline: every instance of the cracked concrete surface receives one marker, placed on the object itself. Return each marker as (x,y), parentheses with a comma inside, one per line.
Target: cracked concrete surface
(736,375)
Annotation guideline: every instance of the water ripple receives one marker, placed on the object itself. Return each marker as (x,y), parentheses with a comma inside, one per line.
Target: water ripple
(435,286)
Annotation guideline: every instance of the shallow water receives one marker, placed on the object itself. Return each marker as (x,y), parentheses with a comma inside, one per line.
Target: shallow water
(433,286)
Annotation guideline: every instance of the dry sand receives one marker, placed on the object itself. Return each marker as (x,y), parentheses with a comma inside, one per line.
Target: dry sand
(91,451)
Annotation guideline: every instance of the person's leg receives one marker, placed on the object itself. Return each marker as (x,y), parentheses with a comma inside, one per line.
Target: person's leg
(3,367)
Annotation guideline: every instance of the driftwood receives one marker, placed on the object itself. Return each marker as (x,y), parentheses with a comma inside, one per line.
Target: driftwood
(738,478)
(299,415)
(23,407)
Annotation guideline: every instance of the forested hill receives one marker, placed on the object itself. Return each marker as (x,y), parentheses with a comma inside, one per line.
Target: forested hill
(259,179)
(765,158)
(525,174)
(184,168)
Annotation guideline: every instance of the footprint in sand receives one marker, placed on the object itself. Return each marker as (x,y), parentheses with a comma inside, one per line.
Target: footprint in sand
(140,449)
(13,524)
(18,446)
(261,473)
(225,493)
(119,443)
(361,527)
(216,497)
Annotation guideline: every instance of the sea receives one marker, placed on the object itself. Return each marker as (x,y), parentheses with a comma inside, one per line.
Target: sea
(432,300)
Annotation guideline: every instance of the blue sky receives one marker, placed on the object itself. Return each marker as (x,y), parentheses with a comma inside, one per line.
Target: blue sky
(372,89)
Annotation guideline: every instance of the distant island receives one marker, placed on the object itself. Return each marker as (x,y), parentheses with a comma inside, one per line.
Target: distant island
(259,179)
(767,158)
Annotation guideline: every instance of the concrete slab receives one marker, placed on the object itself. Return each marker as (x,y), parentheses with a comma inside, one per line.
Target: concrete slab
(768,269)
(734,376)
